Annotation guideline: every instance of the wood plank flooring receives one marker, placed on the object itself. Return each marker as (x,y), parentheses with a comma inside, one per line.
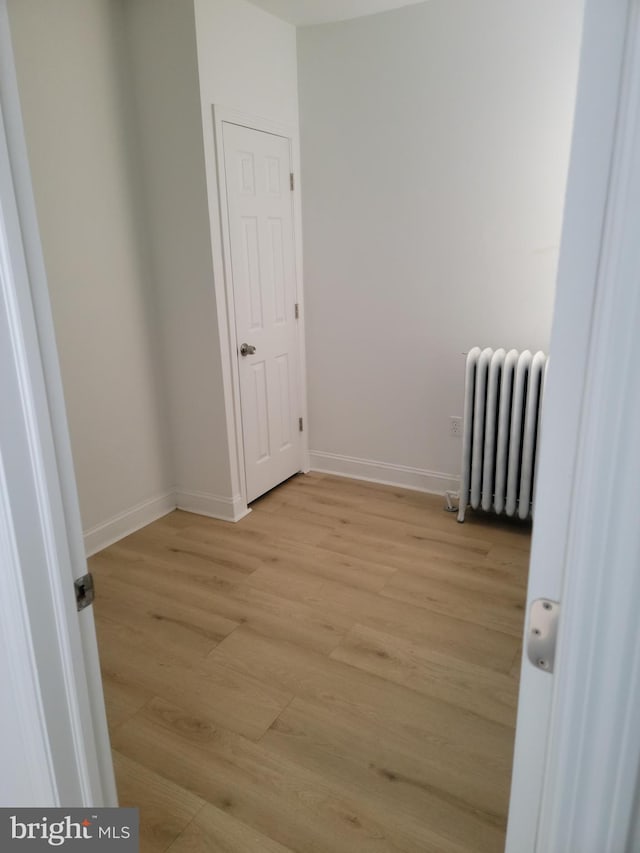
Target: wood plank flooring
(336,673)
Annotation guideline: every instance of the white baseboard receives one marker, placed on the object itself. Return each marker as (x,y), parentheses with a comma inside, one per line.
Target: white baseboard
(233,509)
(126,522)
(226,509)
(418,479)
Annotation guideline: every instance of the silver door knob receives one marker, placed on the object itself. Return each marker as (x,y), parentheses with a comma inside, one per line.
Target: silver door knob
(247,349)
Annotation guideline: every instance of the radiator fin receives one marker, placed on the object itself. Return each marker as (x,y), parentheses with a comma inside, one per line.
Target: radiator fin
(502,406)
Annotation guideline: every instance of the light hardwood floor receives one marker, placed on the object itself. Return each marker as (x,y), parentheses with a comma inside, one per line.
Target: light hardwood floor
(336,672)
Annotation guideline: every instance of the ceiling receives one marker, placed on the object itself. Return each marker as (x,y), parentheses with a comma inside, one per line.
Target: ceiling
(305,12)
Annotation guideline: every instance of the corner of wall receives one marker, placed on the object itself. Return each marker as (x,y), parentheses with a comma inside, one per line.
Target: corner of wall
(128,521)
(174,140)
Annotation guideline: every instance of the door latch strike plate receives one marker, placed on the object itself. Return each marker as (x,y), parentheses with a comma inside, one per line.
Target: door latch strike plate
(542,633)
(85,591)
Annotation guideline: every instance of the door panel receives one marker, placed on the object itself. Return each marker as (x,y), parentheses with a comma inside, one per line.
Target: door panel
(257,167)
(586,203)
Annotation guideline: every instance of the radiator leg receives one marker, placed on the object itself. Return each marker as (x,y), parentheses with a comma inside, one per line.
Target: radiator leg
(461,511)
(450,497)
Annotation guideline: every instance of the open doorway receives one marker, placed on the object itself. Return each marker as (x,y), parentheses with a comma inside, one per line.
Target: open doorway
(254,526)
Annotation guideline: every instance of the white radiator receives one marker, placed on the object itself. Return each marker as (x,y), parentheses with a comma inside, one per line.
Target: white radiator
(502,405)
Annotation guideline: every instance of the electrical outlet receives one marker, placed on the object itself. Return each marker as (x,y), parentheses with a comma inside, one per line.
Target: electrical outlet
(455,426)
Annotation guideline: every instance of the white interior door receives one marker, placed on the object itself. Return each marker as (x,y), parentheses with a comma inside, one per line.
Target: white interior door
(545,804)
(260,211)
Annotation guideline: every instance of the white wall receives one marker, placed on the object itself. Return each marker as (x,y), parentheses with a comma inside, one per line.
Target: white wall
(435,144)
(164,75)
(183,58)
(77,123)
(117,99)
(247,62)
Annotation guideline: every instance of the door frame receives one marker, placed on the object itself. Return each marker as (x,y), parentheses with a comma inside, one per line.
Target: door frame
(225,294)
(582,785)
(58,686)
(575,779)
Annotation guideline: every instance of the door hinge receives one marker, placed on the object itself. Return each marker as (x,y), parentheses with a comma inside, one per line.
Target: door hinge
(542,634)
(85,591)
(300,424)
(291,181)
(297,311)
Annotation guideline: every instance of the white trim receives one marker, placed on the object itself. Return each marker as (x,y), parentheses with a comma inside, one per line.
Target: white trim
(603,40)
(591,781)
(214,506)
(224,288)
(583,765)
(23,688)
(418,479)
(226,315)
(128,521)
(34,469)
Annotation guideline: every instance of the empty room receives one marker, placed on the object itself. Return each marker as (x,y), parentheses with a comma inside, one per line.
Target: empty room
(301,258)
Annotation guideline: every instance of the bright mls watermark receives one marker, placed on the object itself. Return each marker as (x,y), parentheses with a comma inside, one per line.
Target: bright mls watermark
(103,830)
